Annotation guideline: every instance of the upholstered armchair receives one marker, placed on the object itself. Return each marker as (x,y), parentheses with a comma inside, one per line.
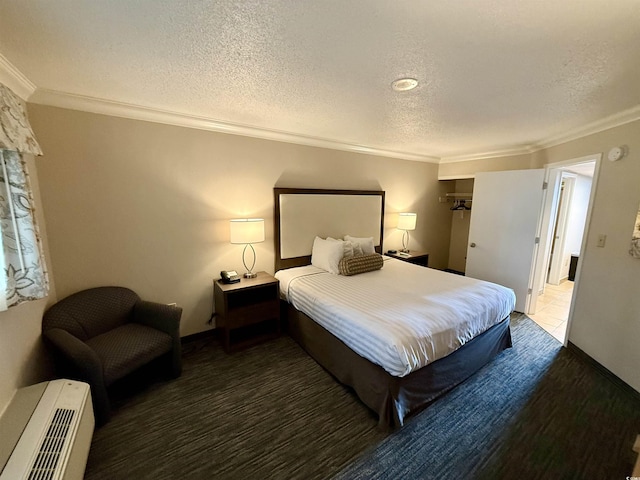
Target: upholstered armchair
(102,334)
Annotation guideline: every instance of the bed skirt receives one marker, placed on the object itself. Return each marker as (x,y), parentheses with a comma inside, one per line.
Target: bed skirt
(395,398)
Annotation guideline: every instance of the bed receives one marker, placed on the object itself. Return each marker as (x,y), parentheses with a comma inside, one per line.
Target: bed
(401,335)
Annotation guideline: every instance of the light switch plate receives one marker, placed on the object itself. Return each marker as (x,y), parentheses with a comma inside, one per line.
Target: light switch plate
(602,239)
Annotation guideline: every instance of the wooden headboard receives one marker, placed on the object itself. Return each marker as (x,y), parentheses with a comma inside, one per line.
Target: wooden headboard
(302,214)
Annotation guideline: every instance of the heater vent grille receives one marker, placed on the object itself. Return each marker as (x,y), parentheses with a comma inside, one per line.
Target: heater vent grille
(53,445)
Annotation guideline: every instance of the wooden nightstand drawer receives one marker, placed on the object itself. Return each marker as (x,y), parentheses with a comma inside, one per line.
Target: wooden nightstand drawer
(248,296)
(250,314)
(248,311)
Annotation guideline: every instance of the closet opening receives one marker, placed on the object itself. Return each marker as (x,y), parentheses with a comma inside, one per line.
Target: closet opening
(459,199)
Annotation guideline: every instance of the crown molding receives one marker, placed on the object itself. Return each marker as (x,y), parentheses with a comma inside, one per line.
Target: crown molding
(507,152)
(612,121)
(138,112)
(15,79)
(23,87)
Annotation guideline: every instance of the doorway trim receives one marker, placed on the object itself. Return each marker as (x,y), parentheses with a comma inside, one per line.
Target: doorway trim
(553,175)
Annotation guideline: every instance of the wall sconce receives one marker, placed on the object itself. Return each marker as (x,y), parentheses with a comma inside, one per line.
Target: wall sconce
(406,222)
(247,231)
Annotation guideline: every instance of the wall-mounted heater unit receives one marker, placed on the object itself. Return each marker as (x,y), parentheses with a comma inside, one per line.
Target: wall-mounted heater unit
(45,432)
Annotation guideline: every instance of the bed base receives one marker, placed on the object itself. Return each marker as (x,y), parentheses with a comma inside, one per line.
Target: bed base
(395,398)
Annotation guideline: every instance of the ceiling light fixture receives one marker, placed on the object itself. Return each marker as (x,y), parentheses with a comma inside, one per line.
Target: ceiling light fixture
(404,84)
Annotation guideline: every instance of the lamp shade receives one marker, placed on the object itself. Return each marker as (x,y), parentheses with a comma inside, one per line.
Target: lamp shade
(247,230)
(407,221)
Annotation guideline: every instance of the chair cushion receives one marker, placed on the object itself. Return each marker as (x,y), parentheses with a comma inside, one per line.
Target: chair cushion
(125,348)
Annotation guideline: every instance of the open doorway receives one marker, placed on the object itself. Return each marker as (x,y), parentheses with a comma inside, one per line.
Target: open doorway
(570,186)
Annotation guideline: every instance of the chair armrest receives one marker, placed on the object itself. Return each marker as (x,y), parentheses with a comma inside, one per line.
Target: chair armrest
(165,318)
(78,353)
(87,367)
(75,351)
(159,316)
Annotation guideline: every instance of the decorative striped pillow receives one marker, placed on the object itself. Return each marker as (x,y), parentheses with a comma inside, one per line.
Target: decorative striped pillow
(361,264)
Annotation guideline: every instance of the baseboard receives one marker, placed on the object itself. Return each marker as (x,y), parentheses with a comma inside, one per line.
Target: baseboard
(624,386)
(213,333)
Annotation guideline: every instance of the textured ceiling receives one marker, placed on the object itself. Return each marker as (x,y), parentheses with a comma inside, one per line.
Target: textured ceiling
(493,74)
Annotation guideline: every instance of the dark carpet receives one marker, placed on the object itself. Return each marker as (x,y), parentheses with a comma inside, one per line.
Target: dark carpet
(536,411)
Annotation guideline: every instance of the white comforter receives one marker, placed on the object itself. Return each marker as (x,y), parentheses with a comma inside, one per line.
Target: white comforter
(401,317)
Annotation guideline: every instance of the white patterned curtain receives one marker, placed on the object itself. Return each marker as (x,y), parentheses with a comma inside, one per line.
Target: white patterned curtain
(634,251)
(23,275)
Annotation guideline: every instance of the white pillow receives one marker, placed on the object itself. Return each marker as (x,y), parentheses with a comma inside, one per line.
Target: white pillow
(350,249)
(326,254)
(357,249)
(366,243)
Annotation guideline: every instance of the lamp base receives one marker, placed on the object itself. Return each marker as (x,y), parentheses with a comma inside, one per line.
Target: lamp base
(405,242)
(250,275)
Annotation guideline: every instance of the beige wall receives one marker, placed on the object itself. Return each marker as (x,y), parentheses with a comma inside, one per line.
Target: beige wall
(23,359)
(606,317)
(147,205)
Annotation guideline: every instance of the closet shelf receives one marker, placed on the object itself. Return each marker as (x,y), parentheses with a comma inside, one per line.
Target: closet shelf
(456,197)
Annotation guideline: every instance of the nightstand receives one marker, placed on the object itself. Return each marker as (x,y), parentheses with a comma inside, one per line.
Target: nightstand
(248,312)
(419,258)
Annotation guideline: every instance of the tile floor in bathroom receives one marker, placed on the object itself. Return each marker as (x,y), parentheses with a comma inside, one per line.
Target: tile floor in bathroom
(552,310)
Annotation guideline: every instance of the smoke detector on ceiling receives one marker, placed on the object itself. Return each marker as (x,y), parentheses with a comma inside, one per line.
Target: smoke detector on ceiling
(404,84)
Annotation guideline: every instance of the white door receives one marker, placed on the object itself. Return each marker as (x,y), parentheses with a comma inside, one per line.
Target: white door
(502,234)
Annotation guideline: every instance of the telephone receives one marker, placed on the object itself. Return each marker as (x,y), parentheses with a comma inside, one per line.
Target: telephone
(229,276)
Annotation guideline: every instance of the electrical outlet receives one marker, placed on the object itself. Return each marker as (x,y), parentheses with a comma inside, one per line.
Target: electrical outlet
(602,239)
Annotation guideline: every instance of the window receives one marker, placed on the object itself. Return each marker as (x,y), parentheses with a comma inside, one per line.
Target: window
(23,275)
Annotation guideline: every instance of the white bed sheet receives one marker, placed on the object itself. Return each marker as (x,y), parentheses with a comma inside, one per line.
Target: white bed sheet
(401,317)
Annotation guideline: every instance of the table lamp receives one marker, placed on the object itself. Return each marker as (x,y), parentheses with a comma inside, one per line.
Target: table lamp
(406,222)
(247,231)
